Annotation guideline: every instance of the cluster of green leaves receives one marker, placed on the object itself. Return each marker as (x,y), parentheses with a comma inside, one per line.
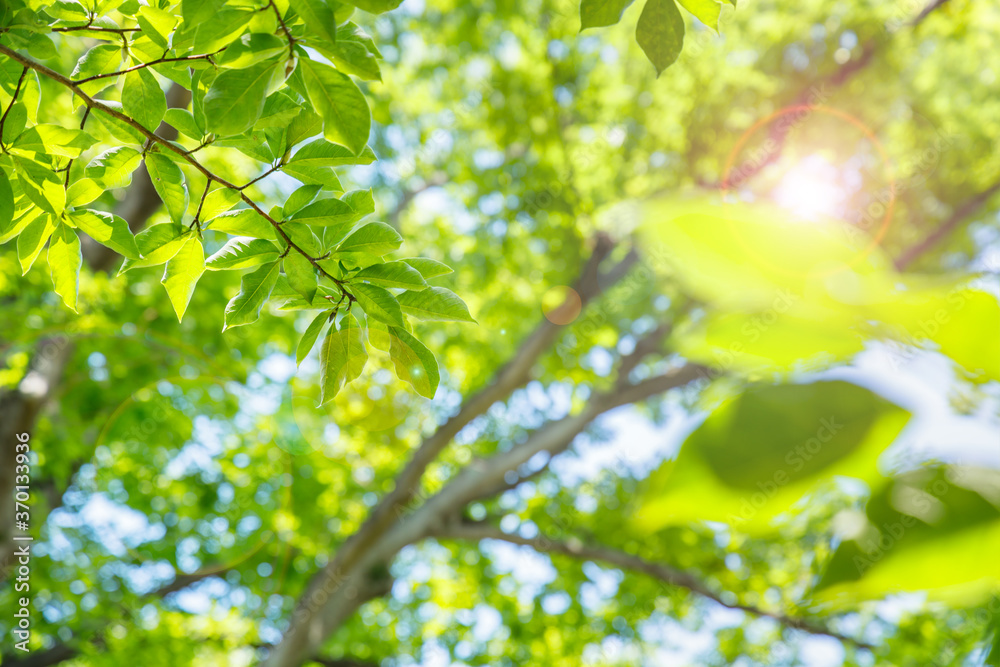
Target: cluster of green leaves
(660,30)
(258,88)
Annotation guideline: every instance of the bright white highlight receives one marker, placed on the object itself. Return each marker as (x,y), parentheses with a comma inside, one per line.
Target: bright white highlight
(811,190)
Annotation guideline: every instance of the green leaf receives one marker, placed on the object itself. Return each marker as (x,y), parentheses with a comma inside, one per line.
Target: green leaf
(196,12)
(32,239)
(760,452)
(413,362)
(279,110)
(52,140)
(18,223)
(251,49)
(308,340)
(182,273)
(119,129)
(255,288)
(326,212)
(41,185)
(113,168)
(225,25)
(6,202)
(183,121)
(168,181)
(236,99)
(379,336)
(64,261)
(17,117)
(378,302)
(374,238)
(325,177)
(926,531)
(306,124)
(156,24)
(376,6)
(342,358)
(362,201)
(108,230)
(82,192)
(217,202)
(244,222)
(143,99)
(435,303)
(157,244)
(660,33)
(303,237)
(301,275)
(242,253)
(351,57)
(301,197)
(318,17)
(346,117)
(321,153)
(706,11)
(428,268)
(600,13)
(393,274)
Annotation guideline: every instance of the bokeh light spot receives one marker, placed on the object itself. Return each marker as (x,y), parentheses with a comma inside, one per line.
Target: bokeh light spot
(561,305)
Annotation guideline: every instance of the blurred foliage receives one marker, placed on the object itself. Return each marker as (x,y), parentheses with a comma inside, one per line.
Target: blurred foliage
(506,138)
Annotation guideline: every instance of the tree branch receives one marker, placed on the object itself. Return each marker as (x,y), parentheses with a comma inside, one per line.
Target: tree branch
(804,100)
(371,540)
(964,211)
(665,573)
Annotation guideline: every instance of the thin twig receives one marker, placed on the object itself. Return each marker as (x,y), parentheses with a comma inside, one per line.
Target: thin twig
(158,61)
(69,165)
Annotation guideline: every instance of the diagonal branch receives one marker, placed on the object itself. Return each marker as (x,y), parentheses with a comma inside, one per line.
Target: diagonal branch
(665,573)
(964,211)
(372,541)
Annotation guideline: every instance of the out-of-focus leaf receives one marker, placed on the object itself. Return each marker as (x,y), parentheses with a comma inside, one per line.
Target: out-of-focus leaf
(932,530)
(759,453)
(600,13)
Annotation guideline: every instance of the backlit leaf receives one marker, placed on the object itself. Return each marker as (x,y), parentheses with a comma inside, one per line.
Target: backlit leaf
(64,261)
(255,288)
